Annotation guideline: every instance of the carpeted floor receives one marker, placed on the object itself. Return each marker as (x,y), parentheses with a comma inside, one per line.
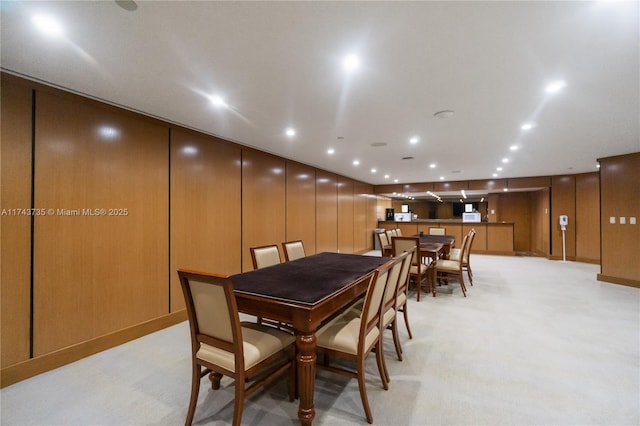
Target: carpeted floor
(536,342)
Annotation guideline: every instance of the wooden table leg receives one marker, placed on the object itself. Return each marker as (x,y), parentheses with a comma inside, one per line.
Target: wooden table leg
(306,345)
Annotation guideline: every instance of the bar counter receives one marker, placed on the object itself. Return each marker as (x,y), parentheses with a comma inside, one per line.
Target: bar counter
(491,237)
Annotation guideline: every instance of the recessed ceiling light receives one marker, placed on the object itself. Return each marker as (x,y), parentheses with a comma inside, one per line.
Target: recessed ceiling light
(555,87)
(527,126)
(356,162)
(499,169)
(395,180)
(598,165)
(495,175)
(441,177)
(505,189)
(432,165)
(47,25)
(414,140)
(513,147)
(386,176)
(444,113)
(290,132)
(373,170)
(505,160)
(129,5)
(217,101)
(330,151)
(351,62)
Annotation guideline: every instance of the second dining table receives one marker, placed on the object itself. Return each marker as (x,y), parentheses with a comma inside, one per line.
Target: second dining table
(304,293)
(447,241)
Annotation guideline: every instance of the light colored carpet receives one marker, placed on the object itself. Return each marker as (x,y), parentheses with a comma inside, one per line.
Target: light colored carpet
(536,342)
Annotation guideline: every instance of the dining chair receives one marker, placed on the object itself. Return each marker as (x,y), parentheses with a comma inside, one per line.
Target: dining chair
(264,256)
(293,250)
(466,265)
(388,309)
(354,334)
(223,346)
(398,232)
(447,268)
(437,231)
(418,270)
(403,287)
(385,248)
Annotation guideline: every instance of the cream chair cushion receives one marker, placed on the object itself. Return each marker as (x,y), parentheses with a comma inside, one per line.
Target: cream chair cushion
(295,250)
(342,334)
(259,343)
(267,256)
(448,265)
(423,268)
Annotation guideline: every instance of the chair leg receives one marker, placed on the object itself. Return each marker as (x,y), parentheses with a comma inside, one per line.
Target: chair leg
(195,389)
(462,286)
(238,403)
(363,389)
(470,274)
(396,340)
(419,285)
(382,365)
(292,379)
(215,380)
(406,320)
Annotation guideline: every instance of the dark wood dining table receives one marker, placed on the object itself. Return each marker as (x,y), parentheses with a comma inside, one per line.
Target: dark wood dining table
(447,241)
(304,293)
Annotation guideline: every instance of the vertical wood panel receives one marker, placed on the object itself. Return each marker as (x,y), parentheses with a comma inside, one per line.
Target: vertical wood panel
(516,207)
(563,201)
(362,230)
(97,274)
(345,215)
(588,217)
(480,240)
(326,211)
(620,197)
(15,286)
(540,222)
(301,205)
(205,207)
(263,202)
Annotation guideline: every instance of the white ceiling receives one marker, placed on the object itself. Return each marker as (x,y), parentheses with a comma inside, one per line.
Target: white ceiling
(279,65)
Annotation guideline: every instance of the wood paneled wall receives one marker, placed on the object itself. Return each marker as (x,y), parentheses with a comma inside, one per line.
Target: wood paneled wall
(101,272)
(620,198)
(345,215)
(326,211)
(205,207)
(563,202)
(173,198)
(301,205)
(15,238)
(588,217)
(263,202)
(540,222)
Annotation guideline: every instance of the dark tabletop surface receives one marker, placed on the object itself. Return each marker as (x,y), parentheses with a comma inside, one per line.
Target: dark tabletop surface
(308,280)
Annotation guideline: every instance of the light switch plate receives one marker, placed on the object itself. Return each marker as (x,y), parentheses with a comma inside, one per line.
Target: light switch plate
(632,220)
(623,220)
(612,219)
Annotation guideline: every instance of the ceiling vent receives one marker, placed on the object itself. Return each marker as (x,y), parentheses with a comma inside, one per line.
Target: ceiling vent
(407,158)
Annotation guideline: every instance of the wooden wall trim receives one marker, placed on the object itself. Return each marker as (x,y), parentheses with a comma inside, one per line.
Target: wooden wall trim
(41,364)
(616,280)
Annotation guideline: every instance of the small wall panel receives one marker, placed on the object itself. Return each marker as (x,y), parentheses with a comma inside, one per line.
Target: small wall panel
(345,215)
(362,230)
(515,207)
(326,211)
(205,207)
(620,197)
(500,238)
(301,205)
(101,256)
(15,169)
(540,222)
(588,217)
(263,202)
(563,201)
